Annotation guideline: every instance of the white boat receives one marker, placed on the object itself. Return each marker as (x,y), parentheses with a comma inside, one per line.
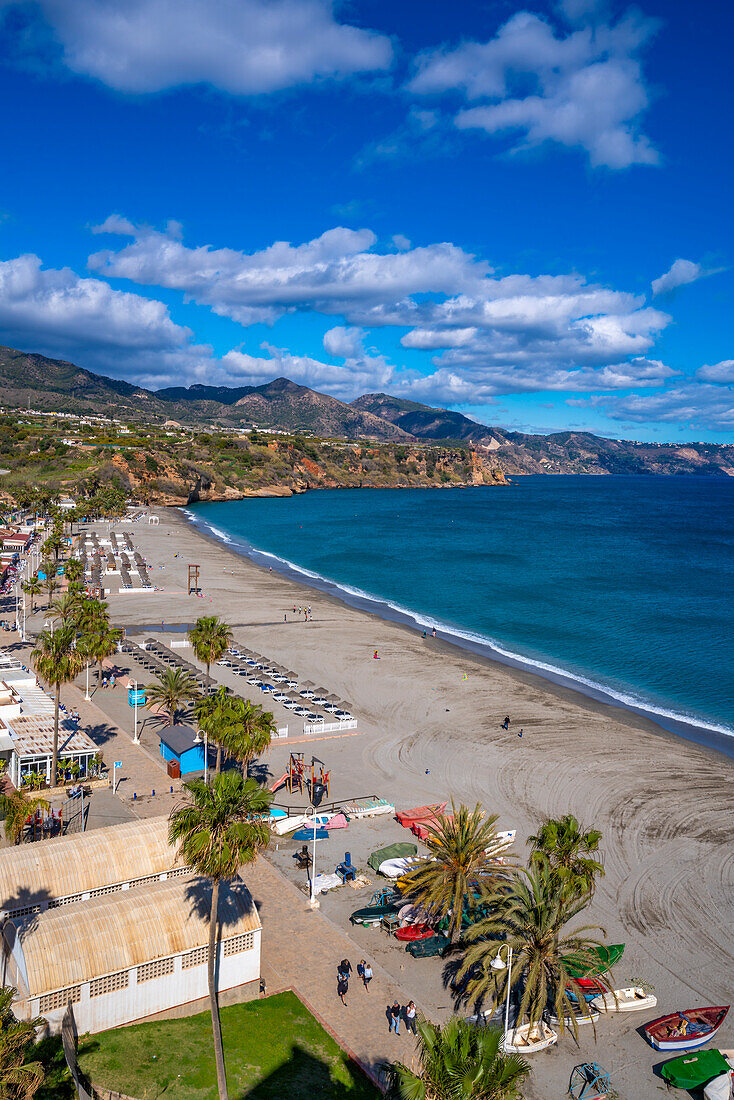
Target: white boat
(285,825)
(394,868)
(587,1018)
(530,1038)
(631,999)
(721,1088)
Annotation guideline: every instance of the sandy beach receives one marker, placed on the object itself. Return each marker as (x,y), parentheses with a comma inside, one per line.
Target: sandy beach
(430,727)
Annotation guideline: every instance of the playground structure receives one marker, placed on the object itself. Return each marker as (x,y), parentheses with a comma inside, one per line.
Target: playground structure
(313,776)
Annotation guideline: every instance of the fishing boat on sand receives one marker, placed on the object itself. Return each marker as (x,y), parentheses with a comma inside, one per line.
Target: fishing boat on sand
(685,1030)
(588,1017)
(530,1038)
(690,1071)
(630,999)
(414,932)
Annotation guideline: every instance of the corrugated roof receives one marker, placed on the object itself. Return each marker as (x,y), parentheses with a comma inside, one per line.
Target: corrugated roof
(34,736)
(70,865)
(88,939)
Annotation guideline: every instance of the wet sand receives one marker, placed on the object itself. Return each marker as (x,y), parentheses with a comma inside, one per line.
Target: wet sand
(430,721)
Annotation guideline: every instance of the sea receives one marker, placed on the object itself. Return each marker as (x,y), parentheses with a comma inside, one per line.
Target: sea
(621,587)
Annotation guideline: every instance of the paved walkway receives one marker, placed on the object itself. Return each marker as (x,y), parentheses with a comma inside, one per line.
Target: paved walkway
(301,948)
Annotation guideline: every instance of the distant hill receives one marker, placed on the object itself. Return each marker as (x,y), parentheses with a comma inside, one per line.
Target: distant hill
(422,421)
(28,378)
(284,404)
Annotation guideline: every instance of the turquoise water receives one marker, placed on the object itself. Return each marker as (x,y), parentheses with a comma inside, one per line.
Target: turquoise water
(624,586)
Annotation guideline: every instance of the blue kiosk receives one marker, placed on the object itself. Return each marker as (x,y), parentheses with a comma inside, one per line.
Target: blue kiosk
(180,746)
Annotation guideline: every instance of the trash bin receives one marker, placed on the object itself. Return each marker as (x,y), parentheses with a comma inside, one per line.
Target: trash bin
(174,769)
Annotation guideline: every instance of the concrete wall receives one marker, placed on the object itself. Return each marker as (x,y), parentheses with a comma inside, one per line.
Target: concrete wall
(137,999)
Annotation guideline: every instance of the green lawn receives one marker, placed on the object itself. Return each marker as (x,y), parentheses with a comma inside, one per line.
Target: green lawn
(274,1049)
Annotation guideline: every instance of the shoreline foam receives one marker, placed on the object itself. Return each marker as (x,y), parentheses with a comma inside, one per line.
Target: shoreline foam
(707,734)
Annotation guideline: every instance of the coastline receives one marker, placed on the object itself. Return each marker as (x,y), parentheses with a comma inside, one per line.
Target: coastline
(584,692)
(430,728)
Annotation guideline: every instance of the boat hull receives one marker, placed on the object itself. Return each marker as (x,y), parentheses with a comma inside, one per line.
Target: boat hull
(632,999)
(687,1030)
(521,1040)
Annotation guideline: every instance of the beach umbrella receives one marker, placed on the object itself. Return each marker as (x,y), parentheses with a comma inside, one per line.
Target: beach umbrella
(345,705)
(308,684)
(333,698)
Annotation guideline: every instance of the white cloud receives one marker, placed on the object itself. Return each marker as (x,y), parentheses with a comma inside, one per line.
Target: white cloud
(344,380)
(495,334)
(584,89)
(690,404)
(60,314)
(679,274)
(722,372)
(243,47)
(342,341)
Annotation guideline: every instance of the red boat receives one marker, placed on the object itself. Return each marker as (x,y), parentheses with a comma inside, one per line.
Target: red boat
(414,932)
(425,828)
(590,988)
(685,1030)
(419,813)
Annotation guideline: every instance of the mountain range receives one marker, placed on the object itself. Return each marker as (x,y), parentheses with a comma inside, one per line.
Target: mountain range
(29,379)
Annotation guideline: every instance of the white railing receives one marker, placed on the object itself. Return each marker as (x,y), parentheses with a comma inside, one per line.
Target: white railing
(329,727)
(282,732)
(179,643)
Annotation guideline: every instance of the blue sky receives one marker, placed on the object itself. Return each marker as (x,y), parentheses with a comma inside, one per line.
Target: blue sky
(523,212)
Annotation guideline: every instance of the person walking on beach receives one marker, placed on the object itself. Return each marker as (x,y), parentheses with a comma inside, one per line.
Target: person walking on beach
(393,1016)
(520,733)
(410,1017)
(506,723)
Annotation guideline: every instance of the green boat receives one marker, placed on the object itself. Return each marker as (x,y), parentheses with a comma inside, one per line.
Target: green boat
(393,851)
(690,1071)
(373,914)
(607,957)
(426,949)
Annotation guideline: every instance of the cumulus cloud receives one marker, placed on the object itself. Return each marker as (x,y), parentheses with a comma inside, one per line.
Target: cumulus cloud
(584,89)
(679,274)
(722,372)
(345,380)
(691,404)
(243,47)
(58,313)
(488,333)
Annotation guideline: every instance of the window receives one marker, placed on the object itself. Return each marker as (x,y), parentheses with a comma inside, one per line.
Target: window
(239,943)
(109,983)
(195,958)
(60,999)
(159,968)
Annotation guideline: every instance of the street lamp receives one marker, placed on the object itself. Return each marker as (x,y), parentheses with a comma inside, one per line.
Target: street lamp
(498,963)
(136,739)
(313,900)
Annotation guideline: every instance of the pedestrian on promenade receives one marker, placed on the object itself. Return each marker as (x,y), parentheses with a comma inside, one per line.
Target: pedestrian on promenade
(344,969)
(366,975)
(410,1016)
(393,1016)
(342,987)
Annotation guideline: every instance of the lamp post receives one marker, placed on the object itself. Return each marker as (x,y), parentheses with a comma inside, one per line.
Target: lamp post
(498,963)
(87,695)
(313,900)
(136,739)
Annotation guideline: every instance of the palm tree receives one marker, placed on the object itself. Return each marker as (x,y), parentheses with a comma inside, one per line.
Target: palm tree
(221,828)
(567,847)
(216,715)
(50,584)
(458,1062)
(58,662)
(465,862)
(16,807)
(100,642)
(19,1078)
(174,688)
(74,570)
(252,735)
(530,914)
(66,608)
(33,588)
(210,639)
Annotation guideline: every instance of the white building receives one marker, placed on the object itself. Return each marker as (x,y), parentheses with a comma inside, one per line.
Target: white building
(108,920)
(119,958)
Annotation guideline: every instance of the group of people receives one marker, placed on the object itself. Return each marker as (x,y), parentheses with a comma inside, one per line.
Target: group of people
(305,611)
(394,1012)
(108,681)
(343,973)
(506,725)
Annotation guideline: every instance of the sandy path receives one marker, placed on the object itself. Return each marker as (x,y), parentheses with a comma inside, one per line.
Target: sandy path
(664,805)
